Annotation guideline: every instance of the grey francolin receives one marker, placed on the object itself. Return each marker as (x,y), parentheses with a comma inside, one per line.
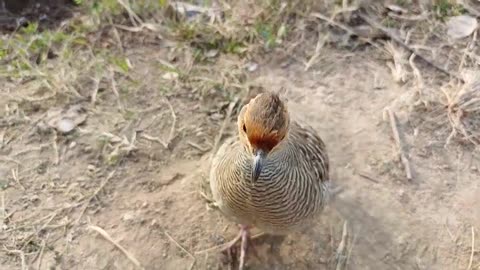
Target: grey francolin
(274,176)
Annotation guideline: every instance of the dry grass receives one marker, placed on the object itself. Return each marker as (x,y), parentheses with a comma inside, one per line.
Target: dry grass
(463,108)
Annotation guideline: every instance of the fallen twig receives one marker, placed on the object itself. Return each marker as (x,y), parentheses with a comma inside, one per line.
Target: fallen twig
(105,235)
(222,246)
(396,137)
(15,177)
(3,210)
(115,90)
(96,86)
(154,139)
(473,250)
(133,16)
(182,248)
(40,256)
(56,152)
(29,238)
(179,246)
(395,38)
(21,254)
(87,203)
(340,254)
(171,135)
(224,125)
(198,147)
(342,26)
(320,44)
(368,177)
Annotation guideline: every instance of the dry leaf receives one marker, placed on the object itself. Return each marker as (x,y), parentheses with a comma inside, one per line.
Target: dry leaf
(461,26)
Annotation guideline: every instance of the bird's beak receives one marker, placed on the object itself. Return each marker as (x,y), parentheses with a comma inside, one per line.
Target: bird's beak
(258,161)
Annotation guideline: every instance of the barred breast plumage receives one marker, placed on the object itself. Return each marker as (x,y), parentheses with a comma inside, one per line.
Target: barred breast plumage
(292,188)
(275,175)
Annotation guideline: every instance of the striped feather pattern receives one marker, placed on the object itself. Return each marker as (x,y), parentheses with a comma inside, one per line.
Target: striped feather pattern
(291,190)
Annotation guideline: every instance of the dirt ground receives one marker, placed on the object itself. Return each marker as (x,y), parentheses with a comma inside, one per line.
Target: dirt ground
(137,163)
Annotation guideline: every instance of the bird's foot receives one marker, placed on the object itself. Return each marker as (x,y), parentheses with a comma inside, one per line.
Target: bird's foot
(245,243)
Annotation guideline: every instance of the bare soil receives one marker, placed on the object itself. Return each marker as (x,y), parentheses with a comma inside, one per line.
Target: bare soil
(15,14)
(147,197)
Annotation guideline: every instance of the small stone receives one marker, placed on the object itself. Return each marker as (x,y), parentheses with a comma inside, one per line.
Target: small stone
(216,116)
(65,125)
(87,149)
(211,53)
(251,66)
(91,168)
(129,216)
(170,76)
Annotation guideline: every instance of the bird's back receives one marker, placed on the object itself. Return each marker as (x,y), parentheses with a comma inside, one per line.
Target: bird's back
(291,190)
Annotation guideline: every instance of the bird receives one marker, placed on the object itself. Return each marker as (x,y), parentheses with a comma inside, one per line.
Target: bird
(273,176)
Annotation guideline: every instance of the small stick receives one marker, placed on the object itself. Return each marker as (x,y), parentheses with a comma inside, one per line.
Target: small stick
(110,175)
(40,257)
(133,16)
(179,246)
(19,253)
(171,135)
(341,258)
(96,86)
(9,159)
(114,89)
(174,121)
(105,235)
(368,177)
(395,38)
(116,34)
(30,237)
(351,249)
(4,212)
(396,136)
(320,44)
(154,139)
(182,248)
(344,27)
(15,177)
(196,146)
(473,250)
(56,152)
(224,125)
(222,246)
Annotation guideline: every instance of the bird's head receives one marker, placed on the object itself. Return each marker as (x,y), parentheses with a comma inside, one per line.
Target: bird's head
(262,124)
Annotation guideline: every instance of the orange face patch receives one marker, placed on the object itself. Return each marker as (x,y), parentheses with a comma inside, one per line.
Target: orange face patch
(261,139)
(266,144)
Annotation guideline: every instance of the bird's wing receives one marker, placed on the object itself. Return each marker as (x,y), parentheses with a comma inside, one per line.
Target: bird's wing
(313,149)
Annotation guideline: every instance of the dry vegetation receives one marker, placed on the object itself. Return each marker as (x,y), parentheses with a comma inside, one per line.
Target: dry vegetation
(110,109)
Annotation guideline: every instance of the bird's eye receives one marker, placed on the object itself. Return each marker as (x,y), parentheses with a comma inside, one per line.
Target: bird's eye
(244,128)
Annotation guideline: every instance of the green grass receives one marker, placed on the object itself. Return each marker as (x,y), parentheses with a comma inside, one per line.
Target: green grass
(447,8)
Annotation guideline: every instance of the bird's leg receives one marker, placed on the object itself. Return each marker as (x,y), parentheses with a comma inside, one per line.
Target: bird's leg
(243,249)
(237,238)
(244,237)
